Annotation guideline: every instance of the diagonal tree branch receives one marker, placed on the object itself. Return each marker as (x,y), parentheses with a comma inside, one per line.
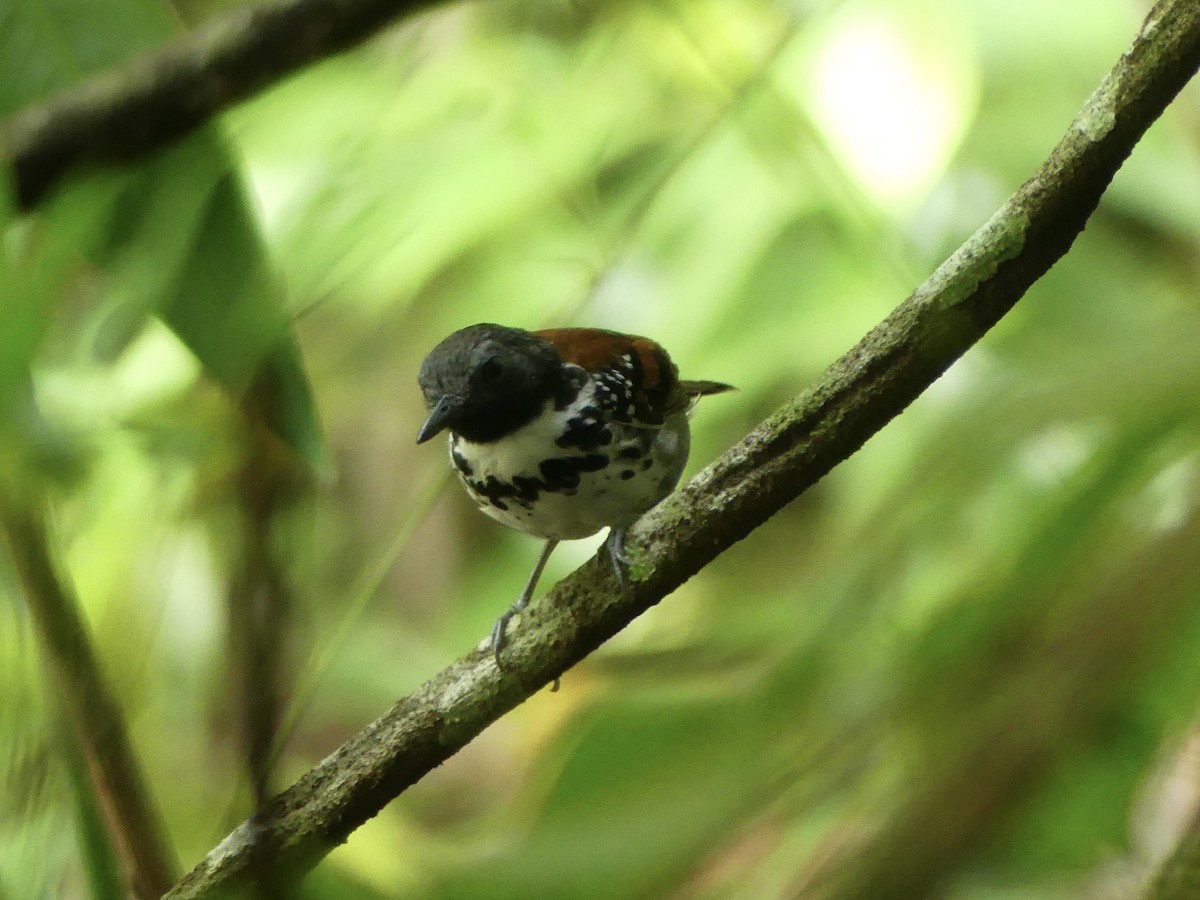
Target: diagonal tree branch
(154,99)
(786,454)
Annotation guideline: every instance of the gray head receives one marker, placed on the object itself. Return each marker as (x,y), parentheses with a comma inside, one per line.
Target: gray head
(485,381)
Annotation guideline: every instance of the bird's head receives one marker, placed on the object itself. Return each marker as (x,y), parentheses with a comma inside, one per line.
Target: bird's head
(485,381)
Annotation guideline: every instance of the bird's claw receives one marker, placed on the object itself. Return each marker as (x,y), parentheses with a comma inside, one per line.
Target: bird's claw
(615,542)
(498,634)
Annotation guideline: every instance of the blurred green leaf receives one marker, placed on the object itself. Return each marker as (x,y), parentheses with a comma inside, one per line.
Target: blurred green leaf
(46,45)
(174,238)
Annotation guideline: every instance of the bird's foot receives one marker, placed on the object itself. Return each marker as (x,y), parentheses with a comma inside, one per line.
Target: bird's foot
(615,542)
(499,629)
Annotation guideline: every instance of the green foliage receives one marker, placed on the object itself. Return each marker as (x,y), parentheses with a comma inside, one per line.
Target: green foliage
(86,373)
(175,238)
(958,660)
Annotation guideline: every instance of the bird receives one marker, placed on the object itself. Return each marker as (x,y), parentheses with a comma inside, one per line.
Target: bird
(560,433)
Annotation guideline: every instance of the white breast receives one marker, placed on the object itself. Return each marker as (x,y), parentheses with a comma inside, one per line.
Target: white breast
(530,482)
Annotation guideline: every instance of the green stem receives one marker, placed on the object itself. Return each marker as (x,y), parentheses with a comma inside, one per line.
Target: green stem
(95,716)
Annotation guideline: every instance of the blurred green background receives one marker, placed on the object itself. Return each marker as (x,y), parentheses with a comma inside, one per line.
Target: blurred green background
(965,663)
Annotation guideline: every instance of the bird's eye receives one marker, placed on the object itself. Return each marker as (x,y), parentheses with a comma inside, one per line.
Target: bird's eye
(491,370)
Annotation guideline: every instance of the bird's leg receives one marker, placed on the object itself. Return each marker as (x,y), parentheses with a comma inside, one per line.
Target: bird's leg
(615,542)
(522,601)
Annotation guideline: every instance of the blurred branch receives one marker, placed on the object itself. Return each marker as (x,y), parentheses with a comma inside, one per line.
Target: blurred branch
(259,613)
(95,716)
(785,455)
(154,99)
(1179,876)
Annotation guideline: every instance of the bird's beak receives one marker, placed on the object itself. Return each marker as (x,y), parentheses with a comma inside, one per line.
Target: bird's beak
(439,418)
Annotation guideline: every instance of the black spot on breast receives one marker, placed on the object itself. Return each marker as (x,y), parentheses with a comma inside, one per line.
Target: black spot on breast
(630,452)
(646,464)
(627,474)
(585,431)
(527,489)
(460,462)
(492,490)
(558,474)
(569,388)
(561,473)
